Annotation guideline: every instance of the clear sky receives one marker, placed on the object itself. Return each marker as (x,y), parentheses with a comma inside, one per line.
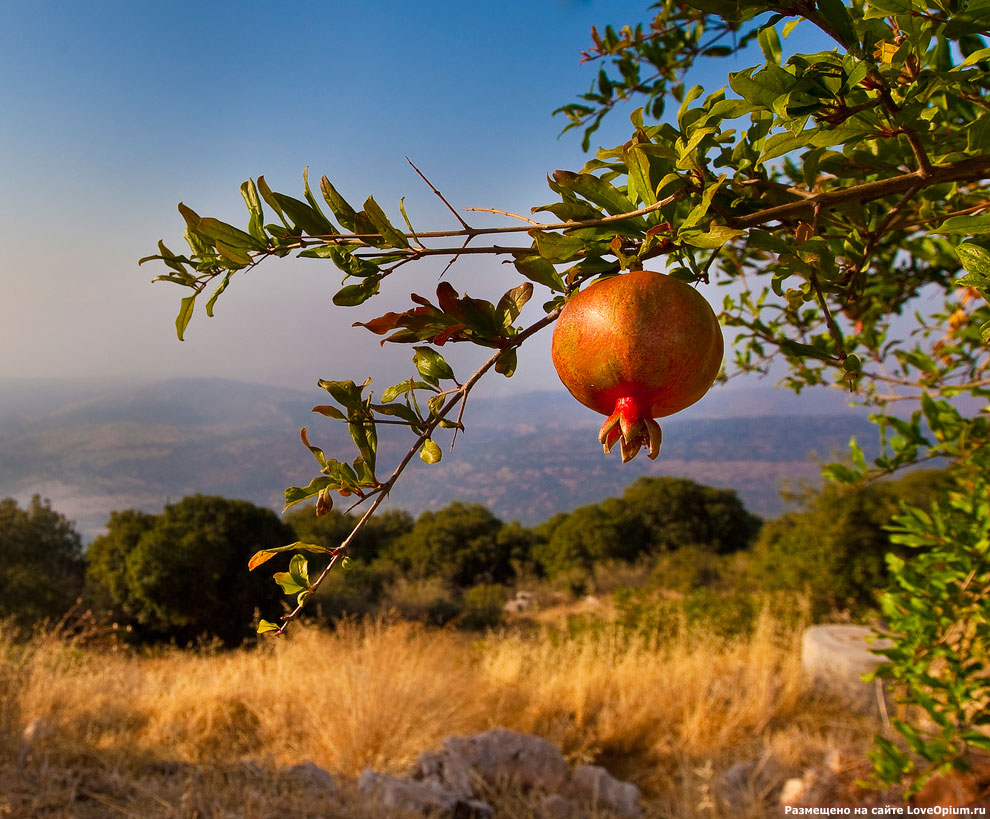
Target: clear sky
(113,112)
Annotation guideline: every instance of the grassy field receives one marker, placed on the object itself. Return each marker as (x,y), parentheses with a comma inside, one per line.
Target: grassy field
(90,732)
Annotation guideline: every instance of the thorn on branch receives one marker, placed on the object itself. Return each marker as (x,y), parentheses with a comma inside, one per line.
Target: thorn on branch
(450,207)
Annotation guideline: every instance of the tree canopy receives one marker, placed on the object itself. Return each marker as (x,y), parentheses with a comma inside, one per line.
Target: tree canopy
(41,562)
(182,574)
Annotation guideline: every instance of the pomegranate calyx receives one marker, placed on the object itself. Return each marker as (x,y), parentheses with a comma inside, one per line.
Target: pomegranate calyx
(632,428)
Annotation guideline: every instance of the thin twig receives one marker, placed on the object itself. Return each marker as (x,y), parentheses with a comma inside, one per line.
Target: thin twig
(464,249)
(450,207)
(504,213)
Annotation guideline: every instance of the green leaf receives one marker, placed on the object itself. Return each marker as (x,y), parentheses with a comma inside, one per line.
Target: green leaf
(770,44)
(228,234)
(329,412)
(638,163)
(430,452)
(512,301)
(761,89)
(305,216)
(391,236)
(185,313)
(343,259)
(402,388)
(354,294)
(265,626)
(298,494)
(539,270)
(269,197)
(299,569)
(506,363)
(346,393)
(837,15)
(431,365)
(216,293)
(288,583)
(976,261)
(716,236)
(557,247)
(256,225)
(343,212)
(967,225)
(233,254)
(364,433)
(596,190)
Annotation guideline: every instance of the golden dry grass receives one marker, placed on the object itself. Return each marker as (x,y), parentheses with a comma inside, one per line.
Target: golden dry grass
(209,730)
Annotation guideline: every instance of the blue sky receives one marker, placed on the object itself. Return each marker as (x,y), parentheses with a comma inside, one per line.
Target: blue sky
(113,112)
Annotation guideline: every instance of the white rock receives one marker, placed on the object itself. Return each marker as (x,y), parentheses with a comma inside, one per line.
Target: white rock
(835,657)
(792,792)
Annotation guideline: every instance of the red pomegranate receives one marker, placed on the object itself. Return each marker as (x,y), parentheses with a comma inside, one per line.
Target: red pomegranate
(635,347)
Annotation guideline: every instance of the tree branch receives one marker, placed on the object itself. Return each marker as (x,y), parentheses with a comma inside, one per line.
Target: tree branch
(458,395)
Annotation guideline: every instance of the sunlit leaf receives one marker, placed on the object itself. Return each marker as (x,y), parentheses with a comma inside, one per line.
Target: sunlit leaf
(430,453)
(185,313)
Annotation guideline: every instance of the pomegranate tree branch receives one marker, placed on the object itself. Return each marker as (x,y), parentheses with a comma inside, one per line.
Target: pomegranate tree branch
(457,396)
(965,170)
(971,169)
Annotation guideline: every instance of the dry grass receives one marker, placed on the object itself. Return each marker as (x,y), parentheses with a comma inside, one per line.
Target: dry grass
(206,734)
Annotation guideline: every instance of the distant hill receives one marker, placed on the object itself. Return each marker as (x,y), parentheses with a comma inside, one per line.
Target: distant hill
(96,447)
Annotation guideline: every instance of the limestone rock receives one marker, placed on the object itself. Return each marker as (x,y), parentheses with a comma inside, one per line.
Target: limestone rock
(500,756)
(447,782)
(420,797)
(313,777)
(595,786)
(836,656)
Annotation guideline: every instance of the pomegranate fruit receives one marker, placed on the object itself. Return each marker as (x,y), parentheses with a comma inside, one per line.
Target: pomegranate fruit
(635,347)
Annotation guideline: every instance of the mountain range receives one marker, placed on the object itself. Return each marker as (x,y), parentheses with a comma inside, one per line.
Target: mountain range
(92,447)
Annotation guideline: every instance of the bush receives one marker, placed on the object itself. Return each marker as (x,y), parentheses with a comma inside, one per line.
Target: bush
(358,590)
(677,512)
(460,545)
(483,606)
(183,574)
(835,549)
(654,516)
(41,562)
(690,568)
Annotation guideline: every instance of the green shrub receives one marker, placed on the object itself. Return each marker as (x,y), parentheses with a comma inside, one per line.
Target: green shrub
(183,574)
(689,568)
(459,544)
(41,562)
(483,606)
(834,550)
